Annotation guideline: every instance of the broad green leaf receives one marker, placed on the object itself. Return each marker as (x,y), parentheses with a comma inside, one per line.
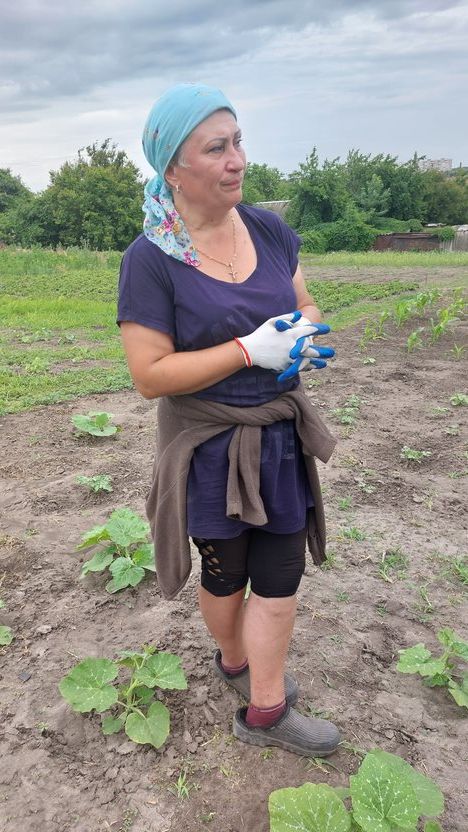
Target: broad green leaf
(446,636)
(438,680)
(460,692)
(96,424)
(382,796)
(460,648)
(144,556)
(435,667)
(412,659)
(112,724)
(124,574)
(95,535)
(99,561)
(152,728)
(2,604)
(130,658)
(101,419)
(427,792)
(87,687)
(125,527)
(432,826)
(162,670)
(6,636)
(309,808)
(143,694)
(342,792)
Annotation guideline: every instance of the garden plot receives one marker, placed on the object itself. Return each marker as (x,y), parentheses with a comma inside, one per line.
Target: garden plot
(396,575)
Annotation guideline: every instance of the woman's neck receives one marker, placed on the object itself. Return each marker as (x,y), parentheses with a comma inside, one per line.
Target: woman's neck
(198,220)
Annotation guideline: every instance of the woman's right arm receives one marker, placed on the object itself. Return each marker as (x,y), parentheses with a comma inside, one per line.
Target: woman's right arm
(157,370)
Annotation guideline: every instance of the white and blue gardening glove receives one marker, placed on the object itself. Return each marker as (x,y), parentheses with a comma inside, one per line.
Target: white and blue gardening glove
(304,355)
(270,345)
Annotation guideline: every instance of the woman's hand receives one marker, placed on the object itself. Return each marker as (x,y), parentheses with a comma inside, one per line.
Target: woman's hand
(270,345)
(304,355)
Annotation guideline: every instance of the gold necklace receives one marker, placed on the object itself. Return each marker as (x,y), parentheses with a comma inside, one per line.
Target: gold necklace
(231,263)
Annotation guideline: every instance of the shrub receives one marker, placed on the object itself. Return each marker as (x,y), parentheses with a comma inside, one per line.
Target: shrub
(314,241)
(445,233)
(350,233)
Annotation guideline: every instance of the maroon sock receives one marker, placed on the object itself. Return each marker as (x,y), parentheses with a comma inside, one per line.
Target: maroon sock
(234,671)
(264,717)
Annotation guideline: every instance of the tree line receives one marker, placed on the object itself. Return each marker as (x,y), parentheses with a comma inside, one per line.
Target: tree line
(96,200)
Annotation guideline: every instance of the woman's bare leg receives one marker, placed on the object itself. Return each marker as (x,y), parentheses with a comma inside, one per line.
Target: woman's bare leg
(268,626)
(224,618)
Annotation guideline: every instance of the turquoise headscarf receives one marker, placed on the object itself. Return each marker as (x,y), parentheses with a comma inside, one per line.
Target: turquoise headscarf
(171,119)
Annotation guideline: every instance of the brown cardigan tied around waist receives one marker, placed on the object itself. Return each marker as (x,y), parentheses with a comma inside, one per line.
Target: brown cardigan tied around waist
(184,422)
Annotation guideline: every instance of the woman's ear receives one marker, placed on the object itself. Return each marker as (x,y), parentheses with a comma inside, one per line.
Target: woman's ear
(171,177)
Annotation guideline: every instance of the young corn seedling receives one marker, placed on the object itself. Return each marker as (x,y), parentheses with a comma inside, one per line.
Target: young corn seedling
(412,455)
(403,310)
(127,552)
(96,483)
(386,794)
(437,330)
(414,340)
(182,788)
(439,671)
(95,424)
(6,636)
(457,352)
(133,704)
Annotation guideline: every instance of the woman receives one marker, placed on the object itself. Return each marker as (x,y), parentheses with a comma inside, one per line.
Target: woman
(206,294)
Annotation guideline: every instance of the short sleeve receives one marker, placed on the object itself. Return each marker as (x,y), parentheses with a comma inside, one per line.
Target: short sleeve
(146,293)
(291,243)
(276,233)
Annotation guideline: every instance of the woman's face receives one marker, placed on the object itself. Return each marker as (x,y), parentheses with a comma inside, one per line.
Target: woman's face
(213,163)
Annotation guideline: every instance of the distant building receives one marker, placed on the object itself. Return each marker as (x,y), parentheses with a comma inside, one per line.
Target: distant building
(443,165)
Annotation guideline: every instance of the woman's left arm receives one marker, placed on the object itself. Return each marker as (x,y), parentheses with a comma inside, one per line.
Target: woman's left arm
(305,302)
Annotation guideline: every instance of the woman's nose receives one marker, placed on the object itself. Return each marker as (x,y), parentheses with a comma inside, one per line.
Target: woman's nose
(235,159)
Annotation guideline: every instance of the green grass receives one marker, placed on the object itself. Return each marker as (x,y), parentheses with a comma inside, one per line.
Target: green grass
(393,259)
(334,295)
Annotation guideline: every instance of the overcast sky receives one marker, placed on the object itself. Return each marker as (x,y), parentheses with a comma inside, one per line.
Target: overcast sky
(386,76)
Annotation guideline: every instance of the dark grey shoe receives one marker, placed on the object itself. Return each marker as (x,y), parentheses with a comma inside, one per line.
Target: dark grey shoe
(241,682)
(294,732)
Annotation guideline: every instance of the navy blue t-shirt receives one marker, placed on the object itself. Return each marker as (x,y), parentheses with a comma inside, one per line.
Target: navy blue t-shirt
(200,311)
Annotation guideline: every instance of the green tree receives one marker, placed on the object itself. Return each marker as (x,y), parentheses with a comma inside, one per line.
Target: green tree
(95,201)
(264,183)
(374,199)
(319,194)
(445,198)
(11,190)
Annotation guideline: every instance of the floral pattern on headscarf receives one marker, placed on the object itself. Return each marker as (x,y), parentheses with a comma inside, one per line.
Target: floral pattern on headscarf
(163,225)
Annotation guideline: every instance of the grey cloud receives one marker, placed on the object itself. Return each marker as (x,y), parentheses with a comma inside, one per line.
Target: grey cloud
(53,51)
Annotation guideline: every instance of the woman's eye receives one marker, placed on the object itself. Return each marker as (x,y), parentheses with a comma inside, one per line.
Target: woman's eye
(217,149)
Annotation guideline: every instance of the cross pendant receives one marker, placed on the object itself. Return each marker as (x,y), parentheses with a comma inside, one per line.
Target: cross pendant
(232,272)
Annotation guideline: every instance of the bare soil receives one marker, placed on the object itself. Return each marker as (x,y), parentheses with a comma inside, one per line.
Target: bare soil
(59,773)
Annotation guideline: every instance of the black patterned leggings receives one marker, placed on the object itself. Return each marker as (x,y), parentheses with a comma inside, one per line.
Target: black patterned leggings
(274,563)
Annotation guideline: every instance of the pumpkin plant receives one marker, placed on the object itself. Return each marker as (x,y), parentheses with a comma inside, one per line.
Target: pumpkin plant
(132,705)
